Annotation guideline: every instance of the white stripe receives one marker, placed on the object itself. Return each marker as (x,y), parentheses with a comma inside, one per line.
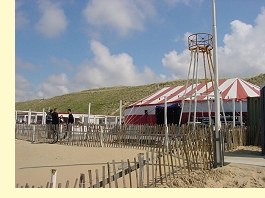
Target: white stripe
(249,91)
(140,102)
(232,93)
(181,94)
(166,94)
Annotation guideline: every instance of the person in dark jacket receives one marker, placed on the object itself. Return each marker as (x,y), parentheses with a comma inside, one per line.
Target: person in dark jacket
(70,121)
(70,117)
(55,118)
(49,117)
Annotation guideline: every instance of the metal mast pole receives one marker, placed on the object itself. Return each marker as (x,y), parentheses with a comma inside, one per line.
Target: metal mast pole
(218,150)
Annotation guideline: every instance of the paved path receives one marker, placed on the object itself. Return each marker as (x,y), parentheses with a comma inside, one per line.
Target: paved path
(246,159)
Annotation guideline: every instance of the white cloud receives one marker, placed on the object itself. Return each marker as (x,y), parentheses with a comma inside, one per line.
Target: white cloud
(244,49)
(53,21)
(23,89)
(123,16)
(178,64)
(111,70)
(53,85)
(186,2)
(20,18)
(242,54)
(64,64)
(21,64)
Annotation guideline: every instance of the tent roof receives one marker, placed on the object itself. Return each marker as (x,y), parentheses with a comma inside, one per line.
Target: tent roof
(230,88)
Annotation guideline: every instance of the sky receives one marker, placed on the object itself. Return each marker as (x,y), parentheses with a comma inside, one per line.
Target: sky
(65,46)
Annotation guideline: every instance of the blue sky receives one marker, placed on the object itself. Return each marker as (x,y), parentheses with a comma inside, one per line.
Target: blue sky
(64,46)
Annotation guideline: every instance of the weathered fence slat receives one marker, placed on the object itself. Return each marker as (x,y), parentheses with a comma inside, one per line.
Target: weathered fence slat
(103,177)
(130,170)
(114,172)
(76,181)
(82,182)
(97,179)
(109,175)
(90,178)
(123,174)
(137,181)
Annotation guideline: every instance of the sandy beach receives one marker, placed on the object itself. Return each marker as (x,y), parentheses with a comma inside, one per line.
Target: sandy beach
(33,161)
(244,167)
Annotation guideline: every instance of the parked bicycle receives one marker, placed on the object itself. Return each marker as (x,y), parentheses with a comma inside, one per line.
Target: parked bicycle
(56,132)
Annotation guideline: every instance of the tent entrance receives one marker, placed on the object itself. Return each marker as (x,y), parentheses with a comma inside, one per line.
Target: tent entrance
(173,114)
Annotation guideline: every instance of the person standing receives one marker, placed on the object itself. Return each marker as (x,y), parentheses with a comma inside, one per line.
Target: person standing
(70,117)
(70,121)
(55,118)
(61,119)
(49,117)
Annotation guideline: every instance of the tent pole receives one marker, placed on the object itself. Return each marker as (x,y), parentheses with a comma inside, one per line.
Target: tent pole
(165,121)
(234,112)
(241,113)
(222,103)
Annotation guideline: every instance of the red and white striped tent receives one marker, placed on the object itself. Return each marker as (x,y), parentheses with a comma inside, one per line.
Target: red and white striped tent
(145,111)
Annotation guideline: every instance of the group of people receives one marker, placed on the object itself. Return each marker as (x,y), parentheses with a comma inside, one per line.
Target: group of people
(53,118)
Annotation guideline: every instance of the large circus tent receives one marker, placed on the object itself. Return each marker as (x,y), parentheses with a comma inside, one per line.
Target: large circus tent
(233,92)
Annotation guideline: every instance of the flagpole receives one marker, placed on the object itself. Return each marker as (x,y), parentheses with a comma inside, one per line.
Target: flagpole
(218,149)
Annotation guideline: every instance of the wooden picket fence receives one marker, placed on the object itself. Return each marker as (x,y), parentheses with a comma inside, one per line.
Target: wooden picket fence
(134,136)
(241,136)
(186,149)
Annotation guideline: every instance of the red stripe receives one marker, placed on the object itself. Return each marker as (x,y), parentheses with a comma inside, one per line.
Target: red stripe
(251,86)
(139,101)
(173,95)
(220,82)
(158,96)
(224,93)
(206,92)
(194,89)
(241,92)
(177,92)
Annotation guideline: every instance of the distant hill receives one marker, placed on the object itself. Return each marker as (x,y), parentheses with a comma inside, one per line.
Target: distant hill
(106,101)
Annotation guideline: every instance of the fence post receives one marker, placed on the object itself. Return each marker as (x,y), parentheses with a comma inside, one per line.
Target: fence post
(60,132)
(82,182)
(141,169)
(114,173)
(101,136)
(33,134)
(53,177)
